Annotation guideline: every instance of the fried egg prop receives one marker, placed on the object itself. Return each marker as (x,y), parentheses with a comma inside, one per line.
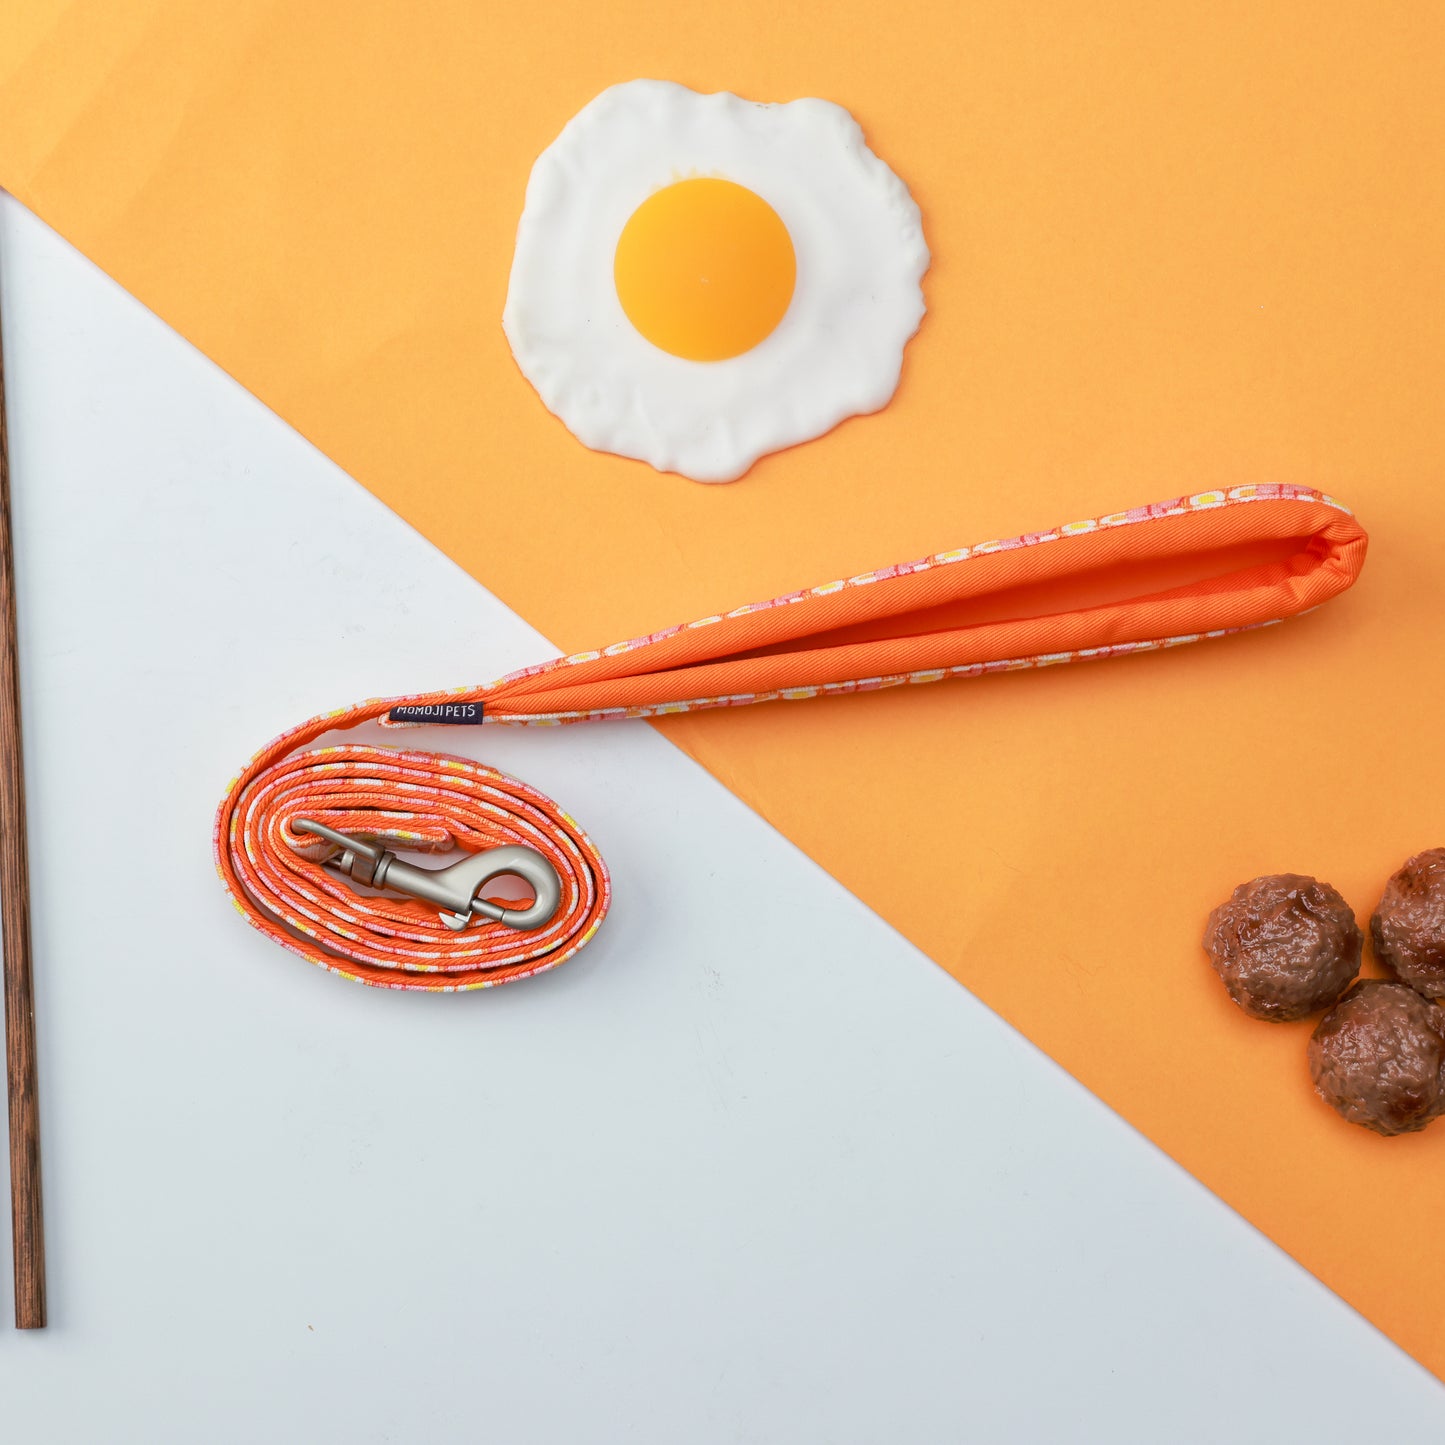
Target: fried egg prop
(700,279)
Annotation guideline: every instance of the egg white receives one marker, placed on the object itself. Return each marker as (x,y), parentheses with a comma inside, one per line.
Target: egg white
(857,235)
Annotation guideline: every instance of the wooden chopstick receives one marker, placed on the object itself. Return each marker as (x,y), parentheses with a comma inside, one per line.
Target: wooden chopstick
(28,1223)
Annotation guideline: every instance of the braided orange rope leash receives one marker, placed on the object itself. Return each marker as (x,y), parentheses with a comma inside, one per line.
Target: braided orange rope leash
(1153,577)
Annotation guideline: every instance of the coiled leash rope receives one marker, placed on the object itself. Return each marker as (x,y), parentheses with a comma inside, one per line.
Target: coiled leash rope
(304,838)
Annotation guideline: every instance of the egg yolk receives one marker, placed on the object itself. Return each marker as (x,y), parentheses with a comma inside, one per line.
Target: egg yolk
(704,269)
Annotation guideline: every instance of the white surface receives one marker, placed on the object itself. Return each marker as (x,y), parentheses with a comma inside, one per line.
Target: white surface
(836,353)
(748,1169)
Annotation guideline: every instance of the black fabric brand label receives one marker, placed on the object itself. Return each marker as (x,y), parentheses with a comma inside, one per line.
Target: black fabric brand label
(455,713)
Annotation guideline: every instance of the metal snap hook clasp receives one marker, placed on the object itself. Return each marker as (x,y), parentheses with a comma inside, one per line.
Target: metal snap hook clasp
(453,888)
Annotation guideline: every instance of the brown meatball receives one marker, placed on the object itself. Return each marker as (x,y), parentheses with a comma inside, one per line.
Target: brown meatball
(1378,1058)
(1285,945)
(1409,925)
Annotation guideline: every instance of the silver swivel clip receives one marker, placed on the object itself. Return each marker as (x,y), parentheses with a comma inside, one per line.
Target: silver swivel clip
(453,888)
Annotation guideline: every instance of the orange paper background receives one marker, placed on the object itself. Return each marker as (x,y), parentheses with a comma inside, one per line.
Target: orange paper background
(1176,246)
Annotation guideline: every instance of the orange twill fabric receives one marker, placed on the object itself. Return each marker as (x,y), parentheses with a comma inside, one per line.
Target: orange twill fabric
(1152,577)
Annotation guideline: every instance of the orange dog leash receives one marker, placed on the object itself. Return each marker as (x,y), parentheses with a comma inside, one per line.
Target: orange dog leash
(301,827)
